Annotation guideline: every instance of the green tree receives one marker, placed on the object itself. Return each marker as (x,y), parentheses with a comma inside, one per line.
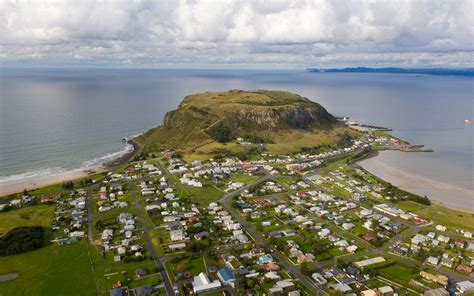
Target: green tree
(221,133)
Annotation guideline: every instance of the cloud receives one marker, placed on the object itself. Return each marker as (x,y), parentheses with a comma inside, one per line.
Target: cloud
(288,33)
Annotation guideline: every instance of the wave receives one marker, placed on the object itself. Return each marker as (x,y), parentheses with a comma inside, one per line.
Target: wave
(108,157)
(54,171)
(31,175)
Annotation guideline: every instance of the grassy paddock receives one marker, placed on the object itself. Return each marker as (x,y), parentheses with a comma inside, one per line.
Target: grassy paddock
(41,215)
(53,270)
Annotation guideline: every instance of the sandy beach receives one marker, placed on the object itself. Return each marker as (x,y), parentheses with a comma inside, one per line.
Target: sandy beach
(42,181)
(7,188)
(449,195)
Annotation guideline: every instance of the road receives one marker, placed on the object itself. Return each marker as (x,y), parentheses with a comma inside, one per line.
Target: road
(146,235)
(226,202)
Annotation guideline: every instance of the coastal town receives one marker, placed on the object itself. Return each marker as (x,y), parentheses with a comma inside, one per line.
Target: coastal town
(300,224)
(237,148)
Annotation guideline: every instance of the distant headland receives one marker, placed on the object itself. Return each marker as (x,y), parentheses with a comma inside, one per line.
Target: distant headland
(426,71)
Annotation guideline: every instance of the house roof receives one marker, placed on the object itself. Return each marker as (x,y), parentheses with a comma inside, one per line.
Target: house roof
(119,292)
(143,291)
(226,274)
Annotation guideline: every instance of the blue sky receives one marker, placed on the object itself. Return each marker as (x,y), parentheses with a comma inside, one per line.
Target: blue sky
(236,34)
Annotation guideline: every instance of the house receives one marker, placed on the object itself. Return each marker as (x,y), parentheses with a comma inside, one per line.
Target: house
(226,276)
(436,292)
(464,269)
(122,291)
(368,293)
(465,286)
(342,288)
(351,249)
(275,291)
(441,228)
(143,290)
(440,279)
(319,279)
(448,262)
(285,284)
(177,235)
(201,235)
(272,276)
(368,237)
(432,260)
(371,261)
(460,243)
(385,291)
(202,283)
(443,239)
(265,259)
(348,226)
(140,272)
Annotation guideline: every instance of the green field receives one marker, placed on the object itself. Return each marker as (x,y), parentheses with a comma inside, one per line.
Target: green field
(30,216)
(450,218)
(401,272)
(53,270)
(203,195)
(192,265)
(243,178)
(108,272)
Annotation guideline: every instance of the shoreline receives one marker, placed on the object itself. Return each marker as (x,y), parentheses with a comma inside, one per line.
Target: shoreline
(448,195)
(72,175)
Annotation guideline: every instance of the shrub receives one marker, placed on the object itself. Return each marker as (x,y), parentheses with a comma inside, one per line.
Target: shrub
(221,133)
(22,239)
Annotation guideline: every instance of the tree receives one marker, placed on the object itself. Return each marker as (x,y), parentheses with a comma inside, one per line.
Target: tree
(68,185)
(305,268)
(221,133)
(250,283)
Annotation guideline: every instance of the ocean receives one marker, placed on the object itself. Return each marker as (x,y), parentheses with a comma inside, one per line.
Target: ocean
(59,120)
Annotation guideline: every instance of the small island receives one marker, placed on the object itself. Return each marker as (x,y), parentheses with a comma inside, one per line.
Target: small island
(247,192)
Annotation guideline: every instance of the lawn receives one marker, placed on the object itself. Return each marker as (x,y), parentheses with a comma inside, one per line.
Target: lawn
(243,178)
(211,149)
(401,272)
(203,195)
(286,180)
(29,216)
(108,272)
(53,270)
(289,141)
(450,218)
(192,265)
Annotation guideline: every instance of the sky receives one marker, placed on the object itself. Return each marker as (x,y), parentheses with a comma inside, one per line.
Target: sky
(236,34)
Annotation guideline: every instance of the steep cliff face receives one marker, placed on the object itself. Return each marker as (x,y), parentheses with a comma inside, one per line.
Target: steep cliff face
(298,117)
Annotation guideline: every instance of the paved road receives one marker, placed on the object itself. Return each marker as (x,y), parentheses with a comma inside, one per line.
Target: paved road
(146,235)
(226,202)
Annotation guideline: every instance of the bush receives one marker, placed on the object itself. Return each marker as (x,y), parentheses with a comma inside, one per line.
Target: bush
(221,133)
(22,239)
(68,185)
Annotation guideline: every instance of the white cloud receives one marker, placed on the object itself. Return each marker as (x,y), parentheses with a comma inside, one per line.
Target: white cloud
(293,33)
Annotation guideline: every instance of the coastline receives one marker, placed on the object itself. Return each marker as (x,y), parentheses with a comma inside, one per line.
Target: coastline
(124,158)
(72,175)
(449,195)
